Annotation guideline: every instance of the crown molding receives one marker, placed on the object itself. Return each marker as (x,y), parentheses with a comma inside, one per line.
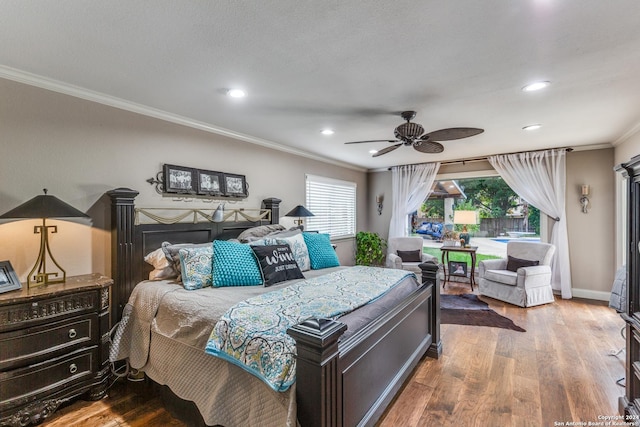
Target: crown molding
(627,135)
(123,104)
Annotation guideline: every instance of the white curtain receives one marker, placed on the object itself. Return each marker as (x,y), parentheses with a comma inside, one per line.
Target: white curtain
(411,186)
(540,178)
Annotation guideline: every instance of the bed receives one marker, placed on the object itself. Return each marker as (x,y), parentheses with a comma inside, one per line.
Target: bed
(347,370)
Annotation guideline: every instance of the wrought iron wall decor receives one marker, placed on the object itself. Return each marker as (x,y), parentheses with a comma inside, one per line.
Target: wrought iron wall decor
(183,181)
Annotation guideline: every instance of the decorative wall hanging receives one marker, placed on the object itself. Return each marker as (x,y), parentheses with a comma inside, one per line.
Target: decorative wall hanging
(201,183)
(210,183)
(178,179)
(235,185)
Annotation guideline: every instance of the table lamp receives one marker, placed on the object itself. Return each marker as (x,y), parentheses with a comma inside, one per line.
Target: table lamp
(465,218)
(300,212)
(44,206)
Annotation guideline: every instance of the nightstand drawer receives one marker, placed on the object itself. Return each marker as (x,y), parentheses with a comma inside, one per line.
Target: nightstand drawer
(31,345)
(25,384)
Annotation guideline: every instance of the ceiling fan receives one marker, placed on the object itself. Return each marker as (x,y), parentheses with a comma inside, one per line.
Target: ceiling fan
(413,134)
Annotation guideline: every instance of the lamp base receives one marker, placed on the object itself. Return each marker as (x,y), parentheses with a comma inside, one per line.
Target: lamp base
(465,237)
(39,271)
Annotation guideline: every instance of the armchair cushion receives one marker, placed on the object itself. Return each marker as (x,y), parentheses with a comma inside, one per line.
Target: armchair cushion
(513,263)
(410,256)
(506,277)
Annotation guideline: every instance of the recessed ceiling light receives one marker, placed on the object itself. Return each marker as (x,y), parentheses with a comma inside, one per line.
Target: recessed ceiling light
(327,132)
(373,151)
(532,127)
(236,93)
(535,86)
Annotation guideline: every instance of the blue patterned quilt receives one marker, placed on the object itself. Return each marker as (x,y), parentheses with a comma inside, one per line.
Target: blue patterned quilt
(252,334)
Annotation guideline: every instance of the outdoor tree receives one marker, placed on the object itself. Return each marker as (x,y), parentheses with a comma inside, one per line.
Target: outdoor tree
(491,196)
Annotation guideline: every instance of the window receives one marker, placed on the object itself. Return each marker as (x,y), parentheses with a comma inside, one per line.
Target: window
(333,204)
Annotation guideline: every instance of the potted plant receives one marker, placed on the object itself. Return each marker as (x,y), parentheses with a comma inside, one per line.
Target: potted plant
(370,248)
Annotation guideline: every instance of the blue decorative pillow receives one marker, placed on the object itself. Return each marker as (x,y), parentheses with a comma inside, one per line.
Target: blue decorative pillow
(321,251)
(234,264)
(196,267)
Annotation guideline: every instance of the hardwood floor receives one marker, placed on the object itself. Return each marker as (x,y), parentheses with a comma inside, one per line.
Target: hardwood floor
(560,370)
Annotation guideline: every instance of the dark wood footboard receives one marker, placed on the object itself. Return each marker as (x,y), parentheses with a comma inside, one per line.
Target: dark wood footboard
(351,382)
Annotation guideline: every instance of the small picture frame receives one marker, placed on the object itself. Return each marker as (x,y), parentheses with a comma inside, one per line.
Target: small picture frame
(457,268)
(210,183)
(8,278)
(235,185)
(179,179)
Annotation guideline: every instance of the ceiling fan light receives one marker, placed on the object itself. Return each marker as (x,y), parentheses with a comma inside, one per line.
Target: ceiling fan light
(532,87)
(327,132)
(535,126)
(373,151)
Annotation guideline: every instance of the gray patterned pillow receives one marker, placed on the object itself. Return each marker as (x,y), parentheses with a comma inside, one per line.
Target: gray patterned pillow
(259,232)
(172,252)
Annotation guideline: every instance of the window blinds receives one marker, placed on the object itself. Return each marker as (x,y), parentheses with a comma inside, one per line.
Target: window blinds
(333,204)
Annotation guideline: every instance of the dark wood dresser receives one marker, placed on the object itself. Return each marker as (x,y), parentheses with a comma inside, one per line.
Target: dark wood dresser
(54,346)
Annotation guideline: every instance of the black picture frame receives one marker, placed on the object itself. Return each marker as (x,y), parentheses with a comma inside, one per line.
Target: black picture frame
(209,183)
(457,268)
(179,179)
(235,185)
(8,278)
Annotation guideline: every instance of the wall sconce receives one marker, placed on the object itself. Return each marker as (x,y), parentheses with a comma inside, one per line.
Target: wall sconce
(379,200)
(584,198)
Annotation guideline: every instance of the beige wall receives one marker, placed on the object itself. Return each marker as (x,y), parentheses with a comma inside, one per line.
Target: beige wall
(80,149)
(591,236)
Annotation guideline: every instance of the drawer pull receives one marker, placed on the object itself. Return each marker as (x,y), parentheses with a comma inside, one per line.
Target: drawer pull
(72,333)
(73,368)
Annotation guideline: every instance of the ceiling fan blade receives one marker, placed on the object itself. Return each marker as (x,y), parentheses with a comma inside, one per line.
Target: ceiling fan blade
(451,134)
(386,150)
(429,147)
(373,140)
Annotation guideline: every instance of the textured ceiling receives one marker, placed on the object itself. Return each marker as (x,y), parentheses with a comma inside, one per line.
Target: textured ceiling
(348,65)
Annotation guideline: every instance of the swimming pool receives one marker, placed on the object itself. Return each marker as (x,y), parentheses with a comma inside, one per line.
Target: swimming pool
(522,239)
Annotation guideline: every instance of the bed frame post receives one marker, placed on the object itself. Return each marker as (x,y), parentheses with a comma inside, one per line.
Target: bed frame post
(430,277)
(273,204)
(122,245)
(317,372)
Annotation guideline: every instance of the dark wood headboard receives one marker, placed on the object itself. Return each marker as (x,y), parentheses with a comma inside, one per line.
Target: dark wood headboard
(130,242)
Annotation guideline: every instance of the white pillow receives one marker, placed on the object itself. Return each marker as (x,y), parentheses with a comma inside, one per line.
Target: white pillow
(299,250)
(162,268)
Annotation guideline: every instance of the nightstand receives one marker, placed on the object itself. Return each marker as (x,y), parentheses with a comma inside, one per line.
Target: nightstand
(54,346)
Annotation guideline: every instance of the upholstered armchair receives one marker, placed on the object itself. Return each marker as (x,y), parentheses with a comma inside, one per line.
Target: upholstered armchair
(406,253)
(523,278)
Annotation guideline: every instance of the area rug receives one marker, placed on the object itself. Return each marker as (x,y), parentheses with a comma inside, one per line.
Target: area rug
(468,309)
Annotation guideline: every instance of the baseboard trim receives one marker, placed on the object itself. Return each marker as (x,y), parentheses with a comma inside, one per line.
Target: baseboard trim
(589,294)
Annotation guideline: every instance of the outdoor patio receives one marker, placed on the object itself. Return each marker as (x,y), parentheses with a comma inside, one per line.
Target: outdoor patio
(486,245)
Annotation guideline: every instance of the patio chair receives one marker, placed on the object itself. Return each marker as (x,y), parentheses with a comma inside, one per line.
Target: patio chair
(406,253)
(523,278)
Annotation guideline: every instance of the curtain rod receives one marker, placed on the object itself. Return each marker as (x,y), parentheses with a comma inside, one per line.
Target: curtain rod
(479,159)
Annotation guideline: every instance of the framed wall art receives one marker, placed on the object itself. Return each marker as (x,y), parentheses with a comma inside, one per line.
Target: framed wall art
(209,183)
(235,185)
(8,278)
(178,179)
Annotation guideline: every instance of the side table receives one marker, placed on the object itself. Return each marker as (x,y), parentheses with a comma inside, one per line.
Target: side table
(471,250)
(54,346)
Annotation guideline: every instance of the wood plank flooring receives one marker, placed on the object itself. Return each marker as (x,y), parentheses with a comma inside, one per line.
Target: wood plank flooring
(560,370)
